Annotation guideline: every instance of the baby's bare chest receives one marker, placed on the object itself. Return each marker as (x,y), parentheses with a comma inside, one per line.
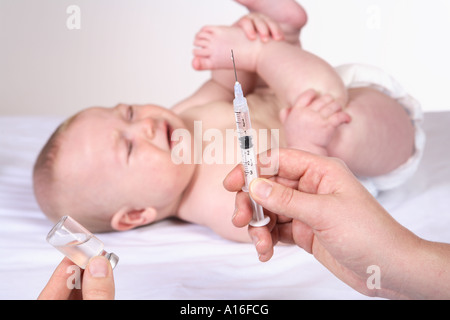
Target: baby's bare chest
(217,139)
(217,150)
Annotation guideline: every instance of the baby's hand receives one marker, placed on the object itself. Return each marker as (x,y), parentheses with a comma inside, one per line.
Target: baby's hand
(255,24)
(311,124)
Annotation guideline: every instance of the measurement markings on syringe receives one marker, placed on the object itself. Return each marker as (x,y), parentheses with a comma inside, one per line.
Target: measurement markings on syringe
(240,119)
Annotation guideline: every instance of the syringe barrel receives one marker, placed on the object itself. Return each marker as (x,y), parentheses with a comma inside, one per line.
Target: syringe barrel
(243,122)
(244,127)
(251,173)
(248,160)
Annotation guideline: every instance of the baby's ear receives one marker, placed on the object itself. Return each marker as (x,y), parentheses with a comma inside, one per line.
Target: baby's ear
(284,113)
(126,218)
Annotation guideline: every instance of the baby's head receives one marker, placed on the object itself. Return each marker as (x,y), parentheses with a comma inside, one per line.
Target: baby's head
(112,168)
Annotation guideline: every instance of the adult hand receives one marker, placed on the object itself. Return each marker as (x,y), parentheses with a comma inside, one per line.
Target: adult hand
(316,203)
(97,282)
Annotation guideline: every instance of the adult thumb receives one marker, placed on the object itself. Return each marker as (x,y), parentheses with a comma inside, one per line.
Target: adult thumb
(98,280)
(286,201)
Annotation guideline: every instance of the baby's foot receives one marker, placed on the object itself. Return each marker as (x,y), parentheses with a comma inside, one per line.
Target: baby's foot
(287,13)
(213,49)
(312,123)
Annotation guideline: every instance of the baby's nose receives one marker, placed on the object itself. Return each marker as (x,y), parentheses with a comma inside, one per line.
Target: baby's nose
(146,127)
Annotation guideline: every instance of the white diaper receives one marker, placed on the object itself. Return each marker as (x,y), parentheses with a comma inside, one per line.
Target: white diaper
(356,76)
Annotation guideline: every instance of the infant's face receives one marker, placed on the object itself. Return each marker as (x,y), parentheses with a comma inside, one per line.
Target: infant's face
(122,155)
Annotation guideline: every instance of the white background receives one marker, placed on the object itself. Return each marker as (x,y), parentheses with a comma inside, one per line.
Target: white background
(140,51)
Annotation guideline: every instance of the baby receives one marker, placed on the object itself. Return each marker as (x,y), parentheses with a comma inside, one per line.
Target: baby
(124,167)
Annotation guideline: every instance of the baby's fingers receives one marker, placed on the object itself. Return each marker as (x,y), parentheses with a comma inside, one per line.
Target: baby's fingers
(267,28)
(275,29)
(339,118)
(305,98)
(249,28)
(257,24)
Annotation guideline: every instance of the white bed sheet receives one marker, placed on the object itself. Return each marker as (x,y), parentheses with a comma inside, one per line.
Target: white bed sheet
(176,260)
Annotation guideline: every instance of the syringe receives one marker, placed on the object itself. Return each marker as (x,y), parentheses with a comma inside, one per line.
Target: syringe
(244,127)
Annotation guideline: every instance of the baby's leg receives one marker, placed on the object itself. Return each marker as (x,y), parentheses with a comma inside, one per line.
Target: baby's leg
(380,137)
(290,70)
(222,77)
(265,18)
(287,69)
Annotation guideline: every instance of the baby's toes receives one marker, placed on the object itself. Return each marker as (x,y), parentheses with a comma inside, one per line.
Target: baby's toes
(201,63)
(202,48)
(205,32)
(203,38)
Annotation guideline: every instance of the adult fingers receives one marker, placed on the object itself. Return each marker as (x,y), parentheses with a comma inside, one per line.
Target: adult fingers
(288,202)
(98,280)
(57,288)
(235,180)
(264,241)
(243,212)
(283,164)
(265,238)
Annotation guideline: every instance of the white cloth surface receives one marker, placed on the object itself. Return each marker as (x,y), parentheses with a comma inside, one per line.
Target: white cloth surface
(176,260)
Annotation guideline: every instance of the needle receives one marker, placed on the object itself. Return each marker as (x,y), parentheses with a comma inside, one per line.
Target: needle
(234,66)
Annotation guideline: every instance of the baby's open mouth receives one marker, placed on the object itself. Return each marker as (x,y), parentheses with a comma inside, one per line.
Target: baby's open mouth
(169,134)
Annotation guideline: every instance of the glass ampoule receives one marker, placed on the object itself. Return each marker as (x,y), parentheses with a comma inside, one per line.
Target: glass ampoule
(77,243)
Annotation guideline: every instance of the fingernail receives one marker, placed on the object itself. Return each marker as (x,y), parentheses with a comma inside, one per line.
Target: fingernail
(261,188)
(234,214)
(98,267)
(255,241)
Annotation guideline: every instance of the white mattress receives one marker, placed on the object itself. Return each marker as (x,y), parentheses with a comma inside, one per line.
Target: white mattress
(175,260)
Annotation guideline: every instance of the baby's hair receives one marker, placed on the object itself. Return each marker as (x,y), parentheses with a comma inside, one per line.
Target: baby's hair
(51,193)
(43,171)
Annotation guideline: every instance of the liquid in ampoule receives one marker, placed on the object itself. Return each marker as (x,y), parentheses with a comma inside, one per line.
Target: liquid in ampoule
(77,243)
